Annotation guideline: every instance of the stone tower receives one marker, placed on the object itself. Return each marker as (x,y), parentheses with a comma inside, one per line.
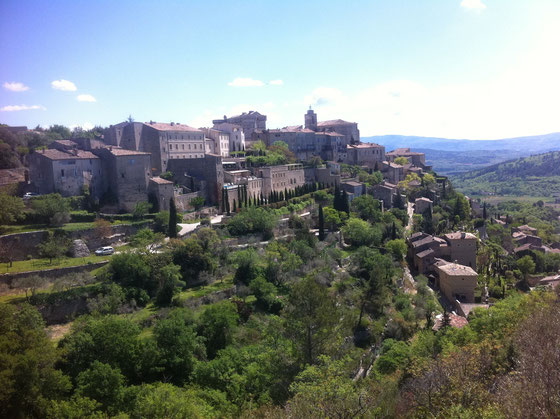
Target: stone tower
(311,120)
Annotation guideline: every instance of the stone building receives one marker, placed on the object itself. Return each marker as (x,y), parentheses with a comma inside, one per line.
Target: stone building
(65,172)
(235,133)
(365,154)
(160,191)
(457,282)
(349,130)
(281,177)
(386,192)
(392,172)
(216,142)
(422,204)
(126,174)
(462,248)
(248,121)
(353,189)
(163,141)
(415,158)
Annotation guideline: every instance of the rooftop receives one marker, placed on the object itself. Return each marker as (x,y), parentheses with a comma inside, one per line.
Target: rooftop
(161,181)
(352,183)
(68,143)
(333,122)
(425,253)
(424,199)
(365,145)
(460,235)
(454,269)
(117,151)
(160,126)
(54,154)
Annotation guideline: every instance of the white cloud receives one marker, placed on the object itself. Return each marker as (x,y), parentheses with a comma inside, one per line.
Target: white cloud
(85,98)
(15,86)
(245,82)
(473,5)
(65,85)
(276,82)
(86,126)
(14,108)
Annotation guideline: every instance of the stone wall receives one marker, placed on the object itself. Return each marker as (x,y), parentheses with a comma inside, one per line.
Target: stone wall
(22,245)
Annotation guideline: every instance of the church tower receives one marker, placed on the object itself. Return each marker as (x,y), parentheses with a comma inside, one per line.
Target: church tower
(311,120)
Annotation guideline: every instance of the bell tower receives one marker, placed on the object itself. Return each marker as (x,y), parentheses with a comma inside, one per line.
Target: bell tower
(311,120)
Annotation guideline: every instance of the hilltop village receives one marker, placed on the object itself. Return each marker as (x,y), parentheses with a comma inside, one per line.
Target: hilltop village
(154,269)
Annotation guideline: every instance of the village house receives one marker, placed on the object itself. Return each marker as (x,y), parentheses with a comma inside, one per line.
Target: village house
(421,205)
(457,282)
(248,121)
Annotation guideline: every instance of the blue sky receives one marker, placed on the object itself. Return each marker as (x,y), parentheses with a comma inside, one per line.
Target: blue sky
(478,69)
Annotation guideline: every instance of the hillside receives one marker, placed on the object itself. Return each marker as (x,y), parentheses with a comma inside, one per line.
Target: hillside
(537,175)
(450,156)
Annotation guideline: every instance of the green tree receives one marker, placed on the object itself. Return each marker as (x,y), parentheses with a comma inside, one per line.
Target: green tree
(27,364)
(193,259)
(358,232)
(102,383)
(54,246)
(197,202)
(52,208)
(311,318)
(526,265)
(177,343)
(11,209)
(172,229)
(131,269)
(401,160)
(367,208)
(140,210)
(217,324)
(169,283)
(247,263)
(333,218)
(397,248)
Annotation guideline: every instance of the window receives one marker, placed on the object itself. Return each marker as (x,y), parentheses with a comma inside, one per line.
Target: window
(62,172)
(182,146)
(189,146)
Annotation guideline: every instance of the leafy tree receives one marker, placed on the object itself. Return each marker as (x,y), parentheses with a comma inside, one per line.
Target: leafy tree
(311,318)
(397,248)
(253,220)
(526,265)
(31,284)
(75,408)
(247,262)
(102,383)
(401,160)
(132,270)
(11,209)
(54,246)
(172,229)
(146,239)
(140,210)
(217,324)
(169,282)
(52,208)
(360,233)
(367,208)
(27,359)
(333,218)
(197,202)
(266,295)
(102,228)
(164,400)
(177,343)
(193,259)
(167,175)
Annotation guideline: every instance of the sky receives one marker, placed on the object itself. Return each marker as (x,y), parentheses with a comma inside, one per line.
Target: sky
(476,69)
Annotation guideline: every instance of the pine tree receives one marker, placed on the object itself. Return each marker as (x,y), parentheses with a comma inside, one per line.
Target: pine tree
(172,218)
(321,224)
(445,321)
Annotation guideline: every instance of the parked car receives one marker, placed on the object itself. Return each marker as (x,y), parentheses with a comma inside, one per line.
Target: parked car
(30,195)
(107,250)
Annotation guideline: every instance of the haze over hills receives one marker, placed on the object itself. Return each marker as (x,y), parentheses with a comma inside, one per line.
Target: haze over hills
(451,156)
(537,175)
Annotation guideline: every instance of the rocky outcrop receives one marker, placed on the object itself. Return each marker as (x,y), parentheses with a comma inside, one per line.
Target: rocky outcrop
(79,249)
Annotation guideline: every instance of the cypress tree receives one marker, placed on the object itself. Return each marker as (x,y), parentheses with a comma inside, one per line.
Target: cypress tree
(394,231)
(228,210)
(336,201)
(245,195)
(172,218)
(234,206)
(321,224)
(345,202)
(484,214)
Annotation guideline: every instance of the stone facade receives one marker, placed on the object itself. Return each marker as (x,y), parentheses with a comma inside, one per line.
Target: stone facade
(462,248)
(236,136)
(353,189)
(422,204)
(280,178)
(161,191)
(216,141)
(365,154)
(126,174)
(65,172)
(415,158)
(248,121)
(457,282)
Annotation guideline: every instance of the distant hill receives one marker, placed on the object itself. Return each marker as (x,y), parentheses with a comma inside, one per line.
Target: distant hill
(449,156)
(537,175)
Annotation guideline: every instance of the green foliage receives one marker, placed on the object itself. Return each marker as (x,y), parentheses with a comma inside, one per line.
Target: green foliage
(52,209)
(401,160)
(54,246)
(132,270)
(311,319)
(145,237)
(11,209)
(197,202)
(252,220)
(172,227)
(358,232)
(167,175)
(27,360)
(397,248)
(266,295)
(193,259)
(141,209)
(217,324)
(367,208)
(102,383)
(394,355)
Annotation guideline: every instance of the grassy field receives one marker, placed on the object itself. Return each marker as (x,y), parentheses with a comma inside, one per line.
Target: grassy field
(42,264)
